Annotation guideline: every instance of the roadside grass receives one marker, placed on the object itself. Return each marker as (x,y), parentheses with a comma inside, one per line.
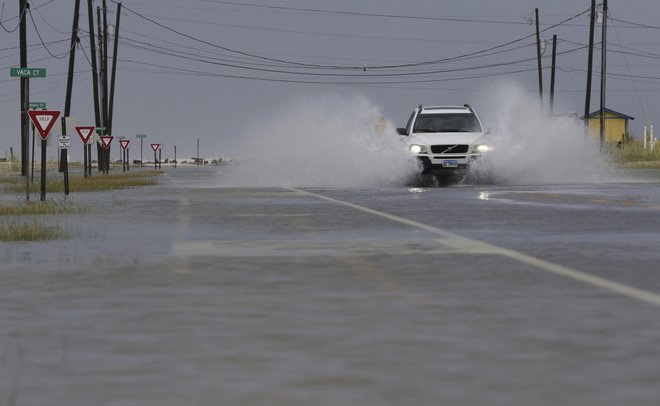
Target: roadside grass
(98,182)
(30,231)
(633,155)
(39,208)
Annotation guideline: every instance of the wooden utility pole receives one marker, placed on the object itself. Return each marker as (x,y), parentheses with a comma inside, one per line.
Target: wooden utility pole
(25,91)
(69,87)
(100,148)
(538,54)
(95,80)
(552,75)
(603,75)
(590,63)
(114,69)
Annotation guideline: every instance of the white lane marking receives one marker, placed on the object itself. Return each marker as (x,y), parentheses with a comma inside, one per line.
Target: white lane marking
(469,245)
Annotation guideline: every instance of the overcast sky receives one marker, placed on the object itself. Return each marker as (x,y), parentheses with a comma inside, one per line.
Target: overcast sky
(206,69)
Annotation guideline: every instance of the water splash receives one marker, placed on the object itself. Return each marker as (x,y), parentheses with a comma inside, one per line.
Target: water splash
(532,147)
(322,142)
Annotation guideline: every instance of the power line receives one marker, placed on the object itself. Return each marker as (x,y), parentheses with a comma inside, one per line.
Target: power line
(636,25)
(363,14)
(215,61)
(64,55)
(21,15)
(307,65)
(303,81)
(632,80)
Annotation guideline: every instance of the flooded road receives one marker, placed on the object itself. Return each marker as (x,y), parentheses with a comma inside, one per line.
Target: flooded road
(194,292)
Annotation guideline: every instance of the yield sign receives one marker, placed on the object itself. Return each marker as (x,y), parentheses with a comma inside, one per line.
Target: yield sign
(43,121)
(85,133)
(124,143)
(106,140)
(155,147)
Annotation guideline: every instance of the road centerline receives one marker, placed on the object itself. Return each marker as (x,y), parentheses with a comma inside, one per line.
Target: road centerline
(478,247)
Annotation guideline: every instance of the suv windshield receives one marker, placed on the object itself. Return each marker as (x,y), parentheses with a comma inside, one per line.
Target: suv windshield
(447,123)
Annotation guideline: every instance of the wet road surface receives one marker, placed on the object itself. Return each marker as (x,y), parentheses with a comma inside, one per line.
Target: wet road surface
(196,293)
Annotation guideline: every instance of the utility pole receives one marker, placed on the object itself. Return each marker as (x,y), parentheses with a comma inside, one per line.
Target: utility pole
(603,75)
(69,87)
(590,63)
(100,148)
(95,80)
(105,84)
(538,54)
(114,69)
(25,91)
(552,75)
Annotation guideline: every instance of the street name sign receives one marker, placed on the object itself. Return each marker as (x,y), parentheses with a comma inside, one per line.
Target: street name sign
(44,121)
(36,105)
(106,140)
(85,133)
(124,143)
(141,136)
(27,72)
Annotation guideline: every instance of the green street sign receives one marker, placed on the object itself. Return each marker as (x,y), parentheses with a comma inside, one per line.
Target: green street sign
(37,105)
(141,136)
(100,128)
(28,72)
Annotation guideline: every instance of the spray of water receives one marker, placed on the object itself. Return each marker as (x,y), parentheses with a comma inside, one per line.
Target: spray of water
(531,147)
(322,142)
(335,141)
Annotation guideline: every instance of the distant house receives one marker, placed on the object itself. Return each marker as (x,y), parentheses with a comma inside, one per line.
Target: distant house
(616,125)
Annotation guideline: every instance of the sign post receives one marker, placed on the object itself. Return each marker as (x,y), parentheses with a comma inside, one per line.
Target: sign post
(155,147)
(34,106)
(124,146)
(64,143)
(141,137)
(106,140)
(85,134)
(25,74)
(44,121)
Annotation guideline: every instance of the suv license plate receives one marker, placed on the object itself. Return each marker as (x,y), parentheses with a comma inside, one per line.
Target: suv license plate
(450,163)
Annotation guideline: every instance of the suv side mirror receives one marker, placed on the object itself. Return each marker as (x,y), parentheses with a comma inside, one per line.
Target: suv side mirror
(491,130)
(401,131)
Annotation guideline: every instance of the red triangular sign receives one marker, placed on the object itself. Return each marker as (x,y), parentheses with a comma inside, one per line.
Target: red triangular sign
(124,143)
(106,140)
(44,121)
(85,133)
(155,147)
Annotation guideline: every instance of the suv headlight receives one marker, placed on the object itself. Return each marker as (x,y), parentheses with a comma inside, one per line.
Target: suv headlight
(481,148)
(418,149)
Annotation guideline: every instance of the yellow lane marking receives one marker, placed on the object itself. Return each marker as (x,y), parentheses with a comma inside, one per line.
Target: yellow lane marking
(600,201)
(469,245)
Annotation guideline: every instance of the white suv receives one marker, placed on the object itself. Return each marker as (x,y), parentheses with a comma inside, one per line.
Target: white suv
(446,140)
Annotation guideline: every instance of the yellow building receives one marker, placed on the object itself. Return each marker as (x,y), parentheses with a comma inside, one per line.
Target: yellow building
(616,125)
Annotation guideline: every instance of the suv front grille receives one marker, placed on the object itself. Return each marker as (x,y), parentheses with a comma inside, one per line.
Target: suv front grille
(449,149)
